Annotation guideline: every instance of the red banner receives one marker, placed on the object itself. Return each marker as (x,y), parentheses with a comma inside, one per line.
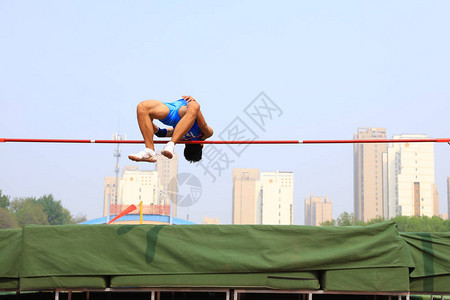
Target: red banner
(152,209)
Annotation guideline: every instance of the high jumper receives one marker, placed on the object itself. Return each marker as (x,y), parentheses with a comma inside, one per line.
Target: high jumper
(187,124)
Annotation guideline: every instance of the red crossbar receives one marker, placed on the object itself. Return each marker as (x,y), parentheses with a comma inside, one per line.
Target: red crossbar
(377,141)
(7,140)
(426,140)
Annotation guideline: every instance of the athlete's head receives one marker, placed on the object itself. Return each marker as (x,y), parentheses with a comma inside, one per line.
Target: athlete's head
(193,152)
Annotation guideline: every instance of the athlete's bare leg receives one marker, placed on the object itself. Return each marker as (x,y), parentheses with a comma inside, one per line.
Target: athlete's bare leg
(147,111)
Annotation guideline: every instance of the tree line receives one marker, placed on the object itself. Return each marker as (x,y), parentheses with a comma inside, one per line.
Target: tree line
(45,210)
(404,223)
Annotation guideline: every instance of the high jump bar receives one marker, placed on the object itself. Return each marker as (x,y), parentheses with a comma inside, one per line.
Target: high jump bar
(368,141)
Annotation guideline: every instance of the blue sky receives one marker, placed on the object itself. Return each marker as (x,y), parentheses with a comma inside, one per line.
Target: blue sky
(77,69)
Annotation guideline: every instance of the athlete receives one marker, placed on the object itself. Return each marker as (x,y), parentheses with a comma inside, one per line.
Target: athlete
(187,124)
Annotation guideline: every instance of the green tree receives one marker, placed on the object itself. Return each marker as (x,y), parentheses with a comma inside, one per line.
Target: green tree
(4,200)
(78,219)
(331,222)
(374,221)
(404,223)
(409,224)
(347,219)
(422,224)
(6,220)
(447,225)
(27,211)
(57,214)
(435,224)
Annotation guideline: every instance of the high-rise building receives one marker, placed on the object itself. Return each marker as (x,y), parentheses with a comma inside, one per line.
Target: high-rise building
(435,201)
(275,199)
(110,195)
(168,175)
(367,174)
(113,195)
(135,186)
(245,195)
(317,210)
(409,178)
(265,198)
(140,186)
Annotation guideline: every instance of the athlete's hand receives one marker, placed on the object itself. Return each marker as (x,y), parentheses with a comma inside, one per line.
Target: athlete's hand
(169,131)
(188,98)
(162,132)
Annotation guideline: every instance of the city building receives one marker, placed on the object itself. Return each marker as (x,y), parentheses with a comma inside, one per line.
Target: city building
(244,195)
(140,186)
(265,198)
(207,220)
(154,188)
(110,195)
(317,210)
(435,200)
(168,175)
(367,174)
(275,199)
(409,178)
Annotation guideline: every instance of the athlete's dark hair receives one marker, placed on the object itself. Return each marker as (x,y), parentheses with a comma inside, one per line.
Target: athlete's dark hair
(193,152)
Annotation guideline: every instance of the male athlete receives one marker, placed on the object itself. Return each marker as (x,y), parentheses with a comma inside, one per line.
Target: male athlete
(187,121)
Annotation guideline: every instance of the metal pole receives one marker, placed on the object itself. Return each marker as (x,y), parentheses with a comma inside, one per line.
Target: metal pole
(141,206)
(117,137)
(108,209)
(171,209)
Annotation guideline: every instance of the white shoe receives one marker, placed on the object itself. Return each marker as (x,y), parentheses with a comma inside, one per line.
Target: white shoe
(143,156)
(168,150)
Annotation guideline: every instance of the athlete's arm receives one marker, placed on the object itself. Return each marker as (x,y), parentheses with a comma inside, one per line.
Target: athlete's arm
(162,132)
(207,130)
(155,128)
